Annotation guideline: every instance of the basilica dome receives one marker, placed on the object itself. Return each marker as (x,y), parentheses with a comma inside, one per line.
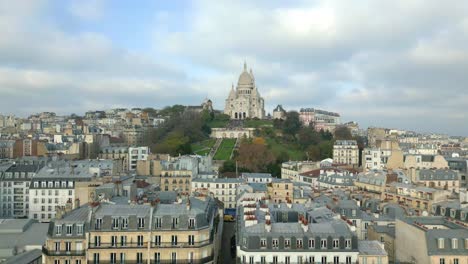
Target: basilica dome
(245,79)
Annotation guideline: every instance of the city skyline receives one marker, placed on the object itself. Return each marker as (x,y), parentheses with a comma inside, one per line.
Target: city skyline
(390,64)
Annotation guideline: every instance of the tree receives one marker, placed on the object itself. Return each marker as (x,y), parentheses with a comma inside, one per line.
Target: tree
(292,124)
(308,136)
(254,157)
(343,133)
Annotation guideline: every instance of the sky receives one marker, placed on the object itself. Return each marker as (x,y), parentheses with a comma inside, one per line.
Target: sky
(386,63)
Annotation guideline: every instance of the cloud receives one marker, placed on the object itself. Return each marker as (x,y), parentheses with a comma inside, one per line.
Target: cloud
(391,63)
(369,60)
(89,10)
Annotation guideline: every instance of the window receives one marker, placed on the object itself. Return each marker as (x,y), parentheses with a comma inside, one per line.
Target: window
(174,240)
(57,246)
(139,258)
(287,243)
(262,260)
(157,240)
(140,240)
(175,222)
(323,243)
(251,260)
(141,222)
(299,243)
(96,258)
(441,261)
(67,246)
(78,261)
(58,230)
(57,261)
(348,243)
(69,230)
(191,240)
(192,223)
(336,243)
(174,257)
(79,229)
(455,261)
(441,243)
(123,241)
(336,260)
(263,243)
(115,223)
(382,239)
(348,260)
(158,223)
(324,260)
(97,241)
(275,259)
(287,259)
(275,243)
(311,243)
(455,243)
(98,224)
(113,241)
(113,258)
(311,259)
(122,257)
(157,257)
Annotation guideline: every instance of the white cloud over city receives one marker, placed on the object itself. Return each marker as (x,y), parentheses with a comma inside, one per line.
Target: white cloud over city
(384,63)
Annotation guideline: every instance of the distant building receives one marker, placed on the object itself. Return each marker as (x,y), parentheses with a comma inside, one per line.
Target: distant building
(371,159)
(245,101)
(136,154)
(372,252)
(279,112)
(319,118)
(346,152)
(14,189)
(223,189)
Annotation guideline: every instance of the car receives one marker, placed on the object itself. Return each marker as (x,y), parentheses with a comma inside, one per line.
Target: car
(228,218)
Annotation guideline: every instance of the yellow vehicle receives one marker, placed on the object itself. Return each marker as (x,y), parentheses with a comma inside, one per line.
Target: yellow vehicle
(228,218)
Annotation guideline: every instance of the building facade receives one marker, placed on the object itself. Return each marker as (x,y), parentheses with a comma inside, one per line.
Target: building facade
(346,152)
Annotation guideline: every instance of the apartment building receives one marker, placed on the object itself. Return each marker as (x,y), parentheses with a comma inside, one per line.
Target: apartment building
(280,190)
(62,182)
(438,178)
(136,154)
(346,152)
(6,149)
(432,240)
(371,159)
(415,197)
(223,189)
(292,169)
(182,232)
(14,189)
(281,233)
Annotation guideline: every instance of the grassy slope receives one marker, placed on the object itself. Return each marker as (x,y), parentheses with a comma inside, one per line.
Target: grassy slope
(204,147)
(225,149)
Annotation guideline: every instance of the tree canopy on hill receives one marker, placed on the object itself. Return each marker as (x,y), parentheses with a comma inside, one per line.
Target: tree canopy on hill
(178,132)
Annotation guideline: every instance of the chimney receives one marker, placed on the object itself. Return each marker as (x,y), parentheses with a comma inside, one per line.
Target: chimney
(68,206)
(268,225)
(77,202)
(188,204)
(305,225)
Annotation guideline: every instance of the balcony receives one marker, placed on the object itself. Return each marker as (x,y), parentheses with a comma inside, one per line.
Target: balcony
(118,245)
(168,261)
(182,244)
(48,252)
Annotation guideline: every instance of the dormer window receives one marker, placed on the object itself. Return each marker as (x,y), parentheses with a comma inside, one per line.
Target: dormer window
(441,243)
(191,223)
(124,223)
(454,243)
(58,230)
(141,222)
(98,224)
(69,230)
(115,223)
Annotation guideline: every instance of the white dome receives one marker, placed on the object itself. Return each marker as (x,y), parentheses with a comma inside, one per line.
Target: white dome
(245,79)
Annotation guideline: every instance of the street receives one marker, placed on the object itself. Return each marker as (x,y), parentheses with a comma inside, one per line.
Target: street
(228,232)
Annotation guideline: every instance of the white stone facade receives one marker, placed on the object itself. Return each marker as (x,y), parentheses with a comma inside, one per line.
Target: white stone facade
(245,101)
